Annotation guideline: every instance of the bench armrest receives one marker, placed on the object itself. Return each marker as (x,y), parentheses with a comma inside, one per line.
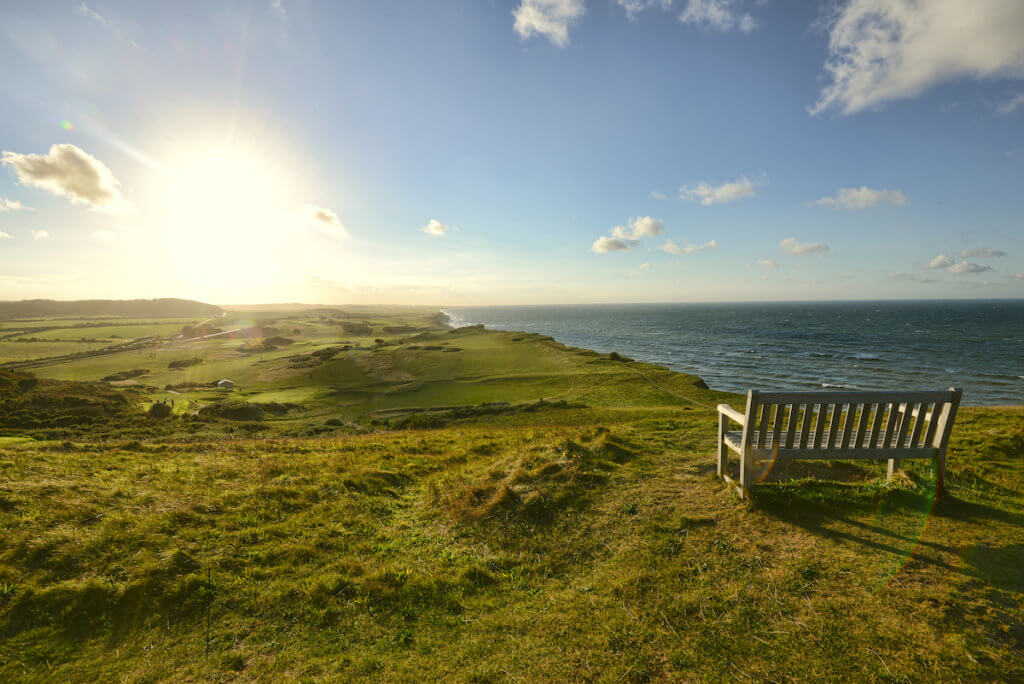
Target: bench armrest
(731,413)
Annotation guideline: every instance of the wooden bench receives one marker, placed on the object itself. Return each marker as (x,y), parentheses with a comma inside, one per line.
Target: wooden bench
(778,427)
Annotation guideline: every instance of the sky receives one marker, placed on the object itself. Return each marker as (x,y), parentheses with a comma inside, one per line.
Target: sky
(512,151)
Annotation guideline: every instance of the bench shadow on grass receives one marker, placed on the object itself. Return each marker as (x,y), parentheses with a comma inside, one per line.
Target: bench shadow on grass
(850,502)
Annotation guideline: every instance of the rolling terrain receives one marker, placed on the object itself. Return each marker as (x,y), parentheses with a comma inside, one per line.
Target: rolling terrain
(379,496)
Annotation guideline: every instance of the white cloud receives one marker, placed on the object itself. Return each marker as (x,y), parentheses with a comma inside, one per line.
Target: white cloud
(39,234)
(606,244)
(1011,105)
(855,199)
(278,6)
(92,14)
(641,227)
(11,205)
(672,248)
(720,15)
(657,195)
(324,221)
(69,171)
(912,277)
(963,267)
(644,266)
(718,194)
(103,235)
(882,50)
(550,18)
(634,7)
(435,228)
(4,236)
(966,268)
(791,246)
(982,252)
(768,263)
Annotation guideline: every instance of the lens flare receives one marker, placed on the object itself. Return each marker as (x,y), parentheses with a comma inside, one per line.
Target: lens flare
(67,125)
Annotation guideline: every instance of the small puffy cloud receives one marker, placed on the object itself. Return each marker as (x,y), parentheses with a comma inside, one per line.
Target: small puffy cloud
(644,266)
(641,227)
(634,7)
(791,246)
(709,194)
(657,195)
(1011,105)
(603,245)
(855,199)
(4,236)
(768,263)
(982,253)
(550,18)
(324,221)
(913,277)
(11,205)
(720,15)
(435,228)
(672,248)
(103,235)
(883,51)
(941,261)
(967,268)
(39,234)
(69,171)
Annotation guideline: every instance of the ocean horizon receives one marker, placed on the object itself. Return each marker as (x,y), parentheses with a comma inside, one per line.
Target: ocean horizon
(977,345)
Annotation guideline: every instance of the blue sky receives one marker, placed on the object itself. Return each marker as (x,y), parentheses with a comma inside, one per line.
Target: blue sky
(520,151)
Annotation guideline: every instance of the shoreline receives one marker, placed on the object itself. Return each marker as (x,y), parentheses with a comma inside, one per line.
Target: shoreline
(453,320)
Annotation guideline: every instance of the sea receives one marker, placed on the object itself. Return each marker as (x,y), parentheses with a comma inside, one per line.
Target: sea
(887,345)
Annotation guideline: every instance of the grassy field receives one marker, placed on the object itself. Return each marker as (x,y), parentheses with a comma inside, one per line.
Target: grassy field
(478,506)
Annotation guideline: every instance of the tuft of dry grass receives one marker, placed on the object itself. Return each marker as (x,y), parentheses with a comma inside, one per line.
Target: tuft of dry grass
(535,485)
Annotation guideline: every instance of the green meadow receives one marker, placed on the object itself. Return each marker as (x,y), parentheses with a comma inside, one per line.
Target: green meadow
(381,497)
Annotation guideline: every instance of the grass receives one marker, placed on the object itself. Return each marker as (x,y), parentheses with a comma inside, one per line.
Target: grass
(535,540)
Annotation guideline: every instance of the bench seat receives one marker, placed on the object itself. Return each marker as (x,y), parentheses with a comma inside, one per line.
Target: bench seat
(734,440)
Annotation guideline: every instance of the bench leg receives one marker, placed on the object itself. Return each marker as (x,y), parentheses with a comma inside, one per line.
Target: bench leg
(746,475)
(940,476)
(723,423)
(890,471)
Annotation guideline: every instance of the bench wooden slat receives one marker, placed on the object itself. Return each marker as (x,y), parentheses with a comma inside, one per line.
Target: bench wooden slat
(794,417)
(805,427)
(765,411)
(876,424)
(833,426)
(933,422)
(901,432)
(890,424)
(919,421)
(777,424)
(819,424)
(851,411)
(862,426)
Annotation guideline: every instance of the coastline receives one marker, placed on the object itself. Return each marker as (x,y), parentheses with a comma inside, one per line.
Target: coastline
(816,361)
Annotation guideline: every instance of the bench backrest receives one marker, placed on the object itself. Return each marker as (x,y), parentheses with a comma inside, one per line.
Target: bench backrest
(847,421)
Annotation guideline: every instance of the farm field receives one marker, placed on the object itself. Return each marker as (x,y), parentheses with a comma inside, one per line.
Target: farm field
(393,497)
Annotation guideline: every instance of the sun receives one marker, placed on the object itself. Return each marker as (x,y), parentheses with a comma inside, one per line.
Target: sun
(226,215)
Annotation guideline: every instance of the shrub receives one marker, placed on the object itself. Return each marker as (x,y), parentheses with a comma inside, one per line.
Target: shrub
(159,410)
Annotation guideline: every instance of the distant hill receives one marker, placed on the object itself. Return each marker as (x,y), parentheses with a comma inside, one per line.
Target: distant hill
(30,308)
